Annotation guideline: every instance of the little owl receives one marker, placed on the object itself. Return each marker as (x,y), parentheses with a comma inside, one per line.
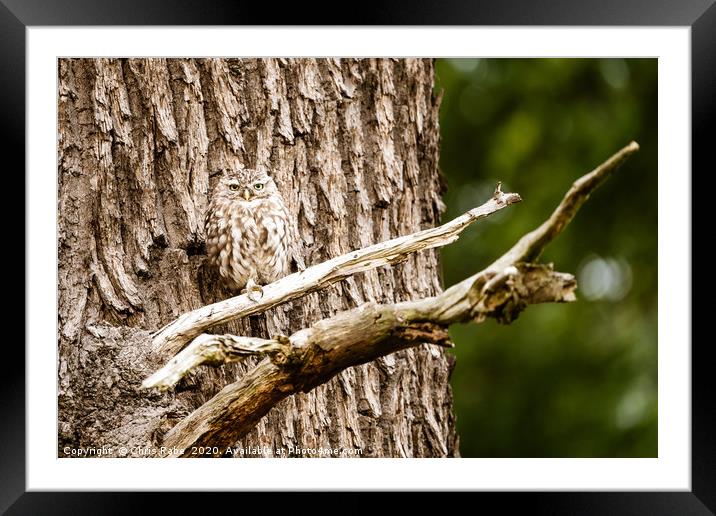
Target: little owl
(248,231)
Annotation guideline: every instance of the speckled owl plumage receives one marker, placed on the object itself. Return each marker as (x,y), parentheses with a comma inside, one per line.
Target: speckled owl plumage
(248,230)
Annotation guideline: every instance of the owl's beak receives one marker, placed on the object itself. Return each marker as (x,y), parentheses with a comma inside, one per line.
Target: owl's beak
(247,193)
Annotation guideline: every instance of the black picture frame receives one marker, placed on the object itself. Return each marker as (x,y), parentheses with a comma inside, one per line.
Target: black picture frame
(700,15)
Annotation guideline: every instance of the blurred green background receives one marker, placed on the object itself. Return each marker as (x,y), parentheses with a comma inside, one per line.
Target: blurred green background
(563,380)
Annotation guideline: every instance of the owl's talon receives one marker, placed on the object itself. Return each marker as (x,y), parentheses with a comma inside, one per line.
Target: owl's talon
(252,294)
(252,289)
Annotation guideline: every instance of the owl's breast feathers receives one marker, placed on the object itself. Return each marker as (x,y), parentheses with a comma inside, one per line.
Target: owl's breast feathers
(248,240)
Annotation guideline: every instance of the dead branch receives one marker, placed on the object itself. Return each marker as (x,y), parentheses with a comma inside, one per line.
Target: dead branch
(173,337)
(313,355)
(212,350)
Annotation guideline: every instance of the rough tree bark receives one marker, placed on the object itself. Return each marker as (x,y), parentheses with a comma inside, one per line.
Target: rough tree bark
(353,147)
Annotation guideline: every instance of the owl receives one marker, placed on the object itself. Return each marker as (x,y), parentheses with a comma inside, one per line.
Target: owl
(248,233)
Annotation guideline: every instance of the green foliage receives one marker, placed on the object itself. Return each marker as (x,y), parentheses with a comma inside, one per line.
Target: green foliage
(568,380)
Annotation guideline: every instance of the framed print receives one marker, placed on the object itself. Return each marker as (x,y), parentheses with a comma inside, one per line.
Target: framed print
(294,242)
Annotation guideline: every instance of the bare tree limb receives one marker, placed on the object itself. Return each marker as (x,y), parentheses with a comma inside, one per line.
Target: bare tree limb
(530,246)
(173,337)
(313,355)
(408,323)
(212,350)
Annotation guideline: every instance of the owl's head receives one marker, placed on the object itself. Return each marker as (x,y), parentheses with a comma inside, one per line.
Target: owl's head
(246,185)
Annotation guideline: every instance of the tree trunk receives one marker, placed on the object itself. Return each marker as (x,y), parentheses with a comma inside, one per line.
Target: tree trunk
(353,148)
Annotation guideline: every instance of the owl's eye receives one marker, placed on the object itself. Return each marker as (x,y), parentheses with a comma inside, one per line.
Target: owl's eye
(233,186)
(258,186)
